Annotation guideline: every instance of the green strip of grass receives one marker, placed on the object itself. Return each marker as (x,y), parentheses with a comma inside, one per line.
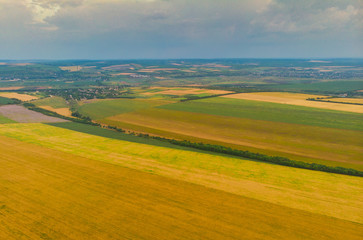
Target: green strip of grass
(271,112)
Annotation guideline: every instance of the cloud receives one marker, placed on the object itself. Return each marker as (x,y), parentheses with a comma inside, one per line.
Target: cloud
(308,16)
(42,10)
(157,26)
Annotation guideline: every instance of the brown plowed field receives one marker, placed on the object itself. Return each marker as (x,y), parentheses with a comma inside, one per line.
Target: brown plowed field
(24,115)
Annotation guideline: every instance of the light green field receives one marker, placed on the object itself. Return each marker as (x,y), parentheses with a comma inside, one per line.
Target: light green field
(54,102)
(333,195)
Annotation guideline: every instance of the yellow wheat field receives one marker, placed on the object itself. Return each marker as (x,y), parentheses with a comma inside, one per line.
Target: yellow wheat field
(295,99)
(21,97)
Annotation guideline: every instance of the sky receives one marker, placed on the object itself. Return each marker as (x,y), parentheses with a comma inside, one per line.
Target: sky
(144,29)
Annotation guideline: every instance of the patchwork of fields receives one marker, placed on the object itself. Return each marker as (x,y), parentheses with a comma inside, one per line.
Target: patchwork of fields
(302,133)
(54,104)
(273,112)
(87,179)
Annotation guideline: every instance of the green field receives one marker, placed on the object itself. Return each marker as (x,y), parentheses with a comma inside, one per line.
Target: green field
(54,102)
(106,108)
(328,146)
(271,112)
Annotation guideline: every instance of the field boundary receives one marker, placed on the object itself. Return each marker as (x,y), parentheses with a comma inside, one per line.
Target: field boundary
(212,148)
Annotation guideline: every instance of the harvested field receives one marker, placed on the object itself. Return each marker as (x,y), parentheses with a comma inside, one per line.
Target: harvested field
(10,88)
(122,74)
(295,99)
(151,70)
(71,68)
(61,111)
(333,195)
(212,65)
(50,194)
(21,97)
(118,67)
(24,115)
(307,143)
(21,64)
(347,100)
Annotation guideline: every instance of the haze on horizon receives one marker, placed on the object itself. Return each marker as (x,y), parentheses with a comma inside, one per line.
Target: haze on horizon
(126,29)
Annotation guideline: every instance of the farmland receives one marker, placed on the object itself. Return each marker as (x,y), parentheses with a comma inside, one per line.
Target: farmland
(299,100)
(347,100)
(115,165)
(301,133)
(5,120)
(306,143)
(96,200)
(54,104)
(21,114)
(271,112)
(105,108)
(300,189)
(22,97)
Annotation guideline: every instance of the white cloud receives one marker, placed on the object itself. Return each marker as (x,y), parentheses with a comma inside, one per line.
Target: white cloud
(41,12)
(309,16)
